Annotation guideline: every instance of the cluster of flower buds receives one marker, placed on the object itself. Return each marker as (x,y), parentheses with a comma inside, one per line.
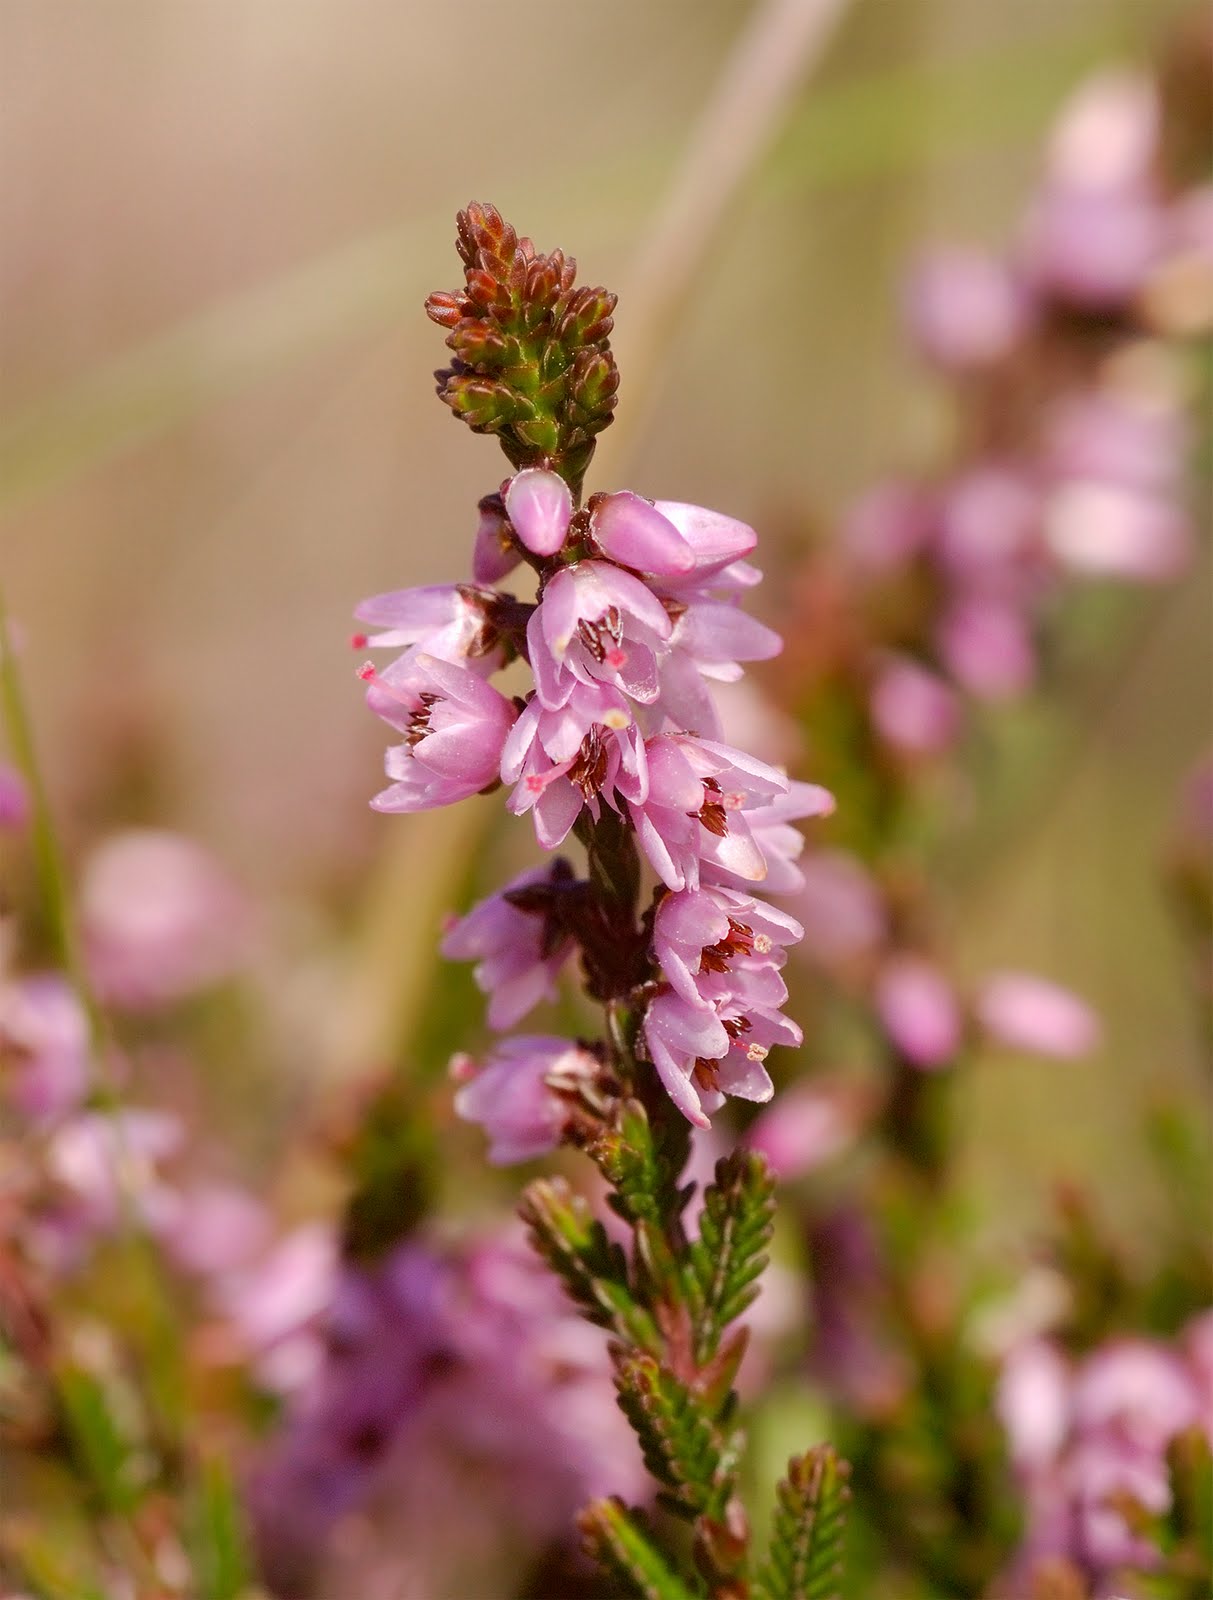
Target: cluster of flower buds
(1071,400)
(636,615)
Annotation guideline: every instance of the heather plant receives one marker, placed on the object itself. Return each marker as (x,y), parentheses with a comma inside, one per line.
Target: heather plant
(724,1021)
(618,744)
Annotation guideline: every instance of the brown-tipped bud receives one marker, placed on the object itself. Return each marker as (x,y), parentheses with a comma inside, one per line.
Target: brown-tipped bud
(446,309)
(533,364)
(481,344)
(485,407)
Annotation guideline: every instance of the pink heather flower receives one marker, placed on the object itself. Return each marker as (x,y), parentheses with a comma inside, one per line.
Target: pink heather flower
(563,759)
(631,531)
(987,648)
(446,620)
(539,505)
(1102,530)
(596,624)
(107,1161)
(912,709)
(1029,1013)
(1133,440)
(517,939)
(779,843)
(1139,1388)
(455,727)
(216,1229)
(964,309)
(1097,226)
(841,906)
(710,639)
(275,1303)
(14,799)
(888,527)
(1033,1403)
(695,809)
(160,919)
(44,1046)
(805,1127)
(1093,250)
(494,553)
(919,1010)
(701,935)
(514,1095)
(701,1056)
(717,542)
(1106,138)
(989,528)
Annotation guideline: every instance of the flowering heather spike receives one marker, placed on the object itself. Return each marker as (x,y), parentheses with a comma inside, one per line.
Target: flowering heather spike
(618,743)
(532,359)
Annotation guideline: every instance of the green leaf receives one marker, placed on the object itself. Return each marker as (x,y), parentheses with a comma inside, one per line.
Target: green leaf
(219,1546)
(105,1453)
(728,1257)
(614,1539)
(592,1267)
(683,1448)
(805,1559)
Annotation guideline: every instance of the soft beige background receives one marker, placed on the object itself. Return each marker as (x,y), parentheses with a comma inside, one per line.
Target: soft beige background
(217,224)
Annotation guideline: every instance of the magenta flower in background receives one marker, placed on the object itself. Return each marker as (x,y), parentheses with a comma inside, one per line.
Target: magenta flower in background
(44,1047)
(913,709)
(805,1127)
(1030,1013)
(964,309)
(160,919)
(841,906)
(920,1011)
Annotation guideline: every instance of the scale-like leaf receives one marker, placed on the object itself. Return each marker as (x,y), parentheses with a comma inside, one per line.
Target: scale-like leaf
(593,1268)
(731,1251)
(614,1539)
(805,1559)
(683,1448)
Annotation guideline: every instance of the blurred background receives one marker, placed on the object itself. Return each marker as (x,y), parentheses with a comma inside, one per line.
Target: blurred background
(217,432)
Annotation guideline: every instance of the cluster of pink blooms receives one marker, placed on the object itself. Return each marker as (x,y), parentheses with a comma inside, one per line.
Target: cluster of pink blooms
(447,1376)
(637,615)
(1089,1438)
(1072,405)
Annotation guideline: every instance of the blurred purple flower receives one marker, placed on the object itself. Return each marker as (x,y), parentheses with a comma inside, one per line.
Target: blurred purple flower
(919,1010)
(964,309)
(1029,1013)
(160,919)
(912,709)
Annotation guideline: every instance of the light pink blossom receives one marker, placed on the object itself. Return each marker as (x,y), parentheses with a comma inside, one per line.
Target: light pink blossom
(518,942)
(514,1094)
(455,727)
